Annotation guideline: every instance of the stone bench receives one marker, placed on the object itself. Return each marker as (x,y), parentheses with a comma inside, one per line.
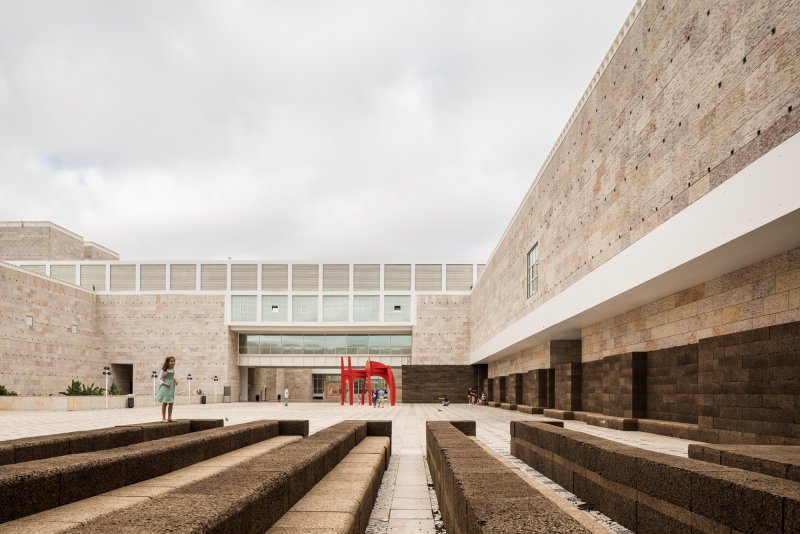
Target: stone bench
(30,487)
(647,491)
(508,406)
(41,447)
(249,497)
(566,415)
(494,404)
(607,421)
(478,493)
(67,517)
(526,408)
(782,461)
(342,501)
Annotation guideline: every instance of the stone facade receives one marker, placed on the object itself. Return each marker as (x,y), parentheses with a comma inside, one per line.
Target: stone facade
(142,330)
(759,295)
(616,385)
(441,332)
(694,93)
(61,343)
(39,242)
(426,383)
(672,384)
(93,251)
(748,385)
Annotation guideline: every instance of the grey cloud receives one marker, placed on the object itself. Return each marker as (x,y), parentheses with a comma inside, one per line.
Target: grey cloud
(295,130)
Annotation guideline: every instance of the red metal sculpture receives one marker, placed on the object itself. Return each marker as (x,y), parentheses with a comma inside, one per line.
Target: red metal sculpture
(350,375)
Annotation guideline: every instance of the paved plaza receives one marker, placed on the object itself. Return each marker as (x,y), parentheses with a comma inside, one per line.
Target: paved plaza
(406,502)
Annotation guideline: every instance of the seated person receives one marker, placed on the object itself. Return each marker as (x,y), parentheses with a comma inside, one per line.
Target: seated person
(445,401)
(483,398)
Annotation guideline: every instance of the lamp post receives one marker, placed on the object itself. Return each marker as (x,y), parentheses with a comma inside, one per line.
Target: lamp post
(216,379)
(189,378)
(106,373)
(154,375)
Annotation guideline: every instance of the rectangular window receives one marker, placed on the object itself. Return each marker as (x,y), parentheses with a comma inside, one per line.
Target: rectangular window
(358,344)
(243,308)
(270,345)
(292,345)
(396,308)
(533,270)
(366,309)
(401,345)
(274,308)
(304,309)
(335,309)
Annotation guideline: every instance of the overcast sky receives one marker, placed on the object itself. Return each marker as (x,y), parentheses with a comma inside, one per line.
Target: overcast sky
(345,131)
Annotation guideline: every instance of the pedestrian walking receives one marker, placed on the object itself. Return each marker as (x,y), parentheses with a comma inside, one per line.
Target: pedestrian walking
(286,396)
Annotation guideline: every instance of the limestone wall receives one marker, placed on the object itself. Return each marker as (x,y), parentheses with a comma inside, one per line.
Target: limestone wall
(42,358)
(144,329)
(695,92)
(43,242)
(763,294)
(441,332)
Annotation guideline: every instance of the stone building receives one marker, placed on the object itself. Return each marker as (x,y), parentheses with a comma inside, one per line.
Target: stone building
(650,273)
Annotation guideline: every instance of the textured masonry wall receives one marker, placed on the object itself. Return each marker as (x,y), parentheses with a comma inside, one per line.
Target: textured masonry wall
(43,358)
(695,92)
(93,253)
(762,294)
(672,384)
(441,332)
(38,243)
(144,329)
(749,384)
(425,383)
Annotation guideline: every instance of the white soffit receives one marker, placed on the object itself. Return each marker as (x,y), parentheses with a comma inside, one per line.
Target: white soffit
(753,215)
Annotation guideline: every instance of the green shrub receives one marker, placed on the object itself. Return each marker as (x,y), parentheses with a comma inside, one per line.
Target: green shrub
(7,392)
(76,388)
(114,390)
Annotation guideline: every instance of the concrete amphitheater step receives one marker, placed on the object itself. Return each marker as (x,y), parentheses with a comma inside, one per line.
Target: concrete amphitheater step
(67,517)
(31,487)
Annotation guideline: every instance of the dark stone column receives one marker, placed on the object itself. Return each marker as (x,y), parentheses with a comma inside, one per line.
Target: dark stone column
(567,386)
(535,388)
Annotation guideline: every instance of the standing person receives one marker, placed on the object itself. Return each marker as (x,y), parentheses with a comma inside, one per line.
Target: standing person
(286,396)
(380,397)
(374,398)
(166,391)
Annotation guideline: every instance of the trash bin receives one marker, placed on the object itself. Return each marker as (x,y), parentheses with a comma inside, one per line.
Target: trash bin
(202,399)
(258,398)
(226,394)
(130,401)
(279,397)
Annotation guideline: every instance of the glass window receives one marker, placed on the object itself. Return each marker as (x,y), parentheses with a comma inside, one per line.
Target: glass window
(336,345)
(366,308)
(401,344)
(304,309)
(335,308)
(243,308)
(253,344)
(313,344)
(358,344)
(379,345)
(292,344)
(242,343)
(533,270)
(270,344)
(396,308)
(274,308)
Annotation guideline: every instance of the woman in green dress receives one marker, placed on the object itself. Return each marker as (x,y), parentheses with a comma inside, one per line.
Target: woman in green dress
(166,391)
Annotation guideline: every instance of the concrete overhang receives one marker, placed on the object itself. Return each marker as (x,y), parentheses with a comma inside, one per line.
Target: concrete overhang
(354,329)
(753,215)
